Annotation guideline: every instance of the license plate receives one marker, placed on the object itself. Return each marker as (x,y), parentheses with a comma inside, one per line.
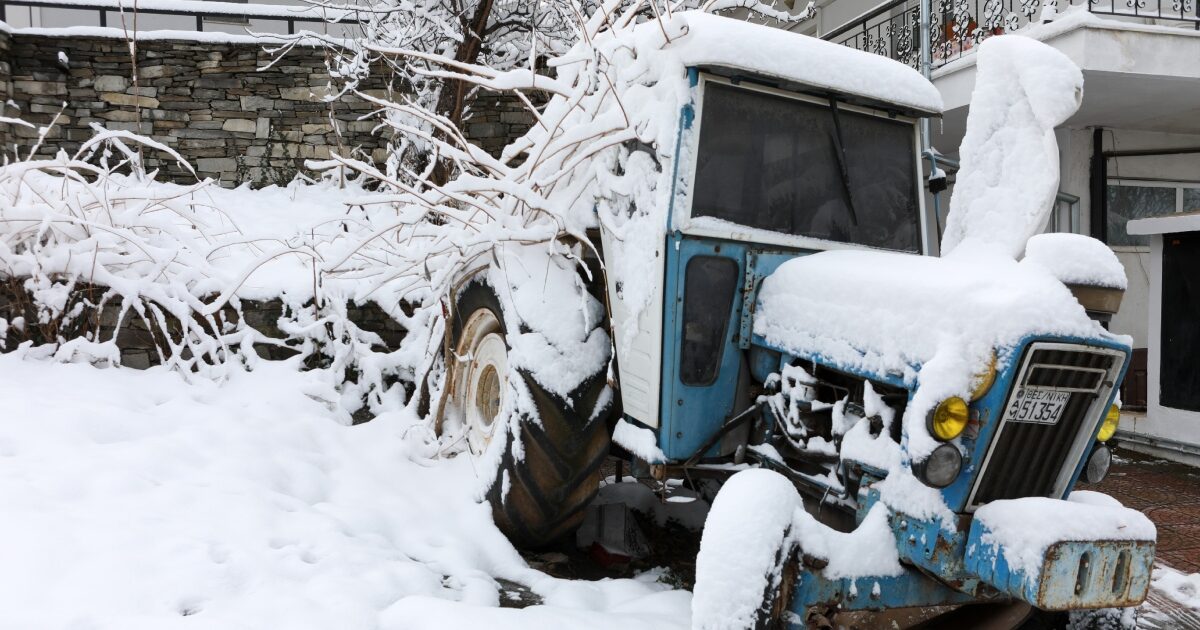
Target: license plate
(1039,406)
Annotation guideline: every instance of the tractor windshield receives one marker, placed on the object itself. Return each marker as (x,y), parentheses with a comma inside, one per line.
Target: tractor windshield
(806,168)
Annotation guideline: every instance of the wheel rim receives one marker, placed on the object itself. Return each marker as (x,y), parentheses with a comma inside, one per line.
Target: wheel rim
(483,361)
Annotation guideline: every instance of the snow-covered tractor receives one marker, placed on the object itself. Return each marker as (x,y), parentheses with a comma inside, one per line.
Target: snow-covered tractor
(753,287)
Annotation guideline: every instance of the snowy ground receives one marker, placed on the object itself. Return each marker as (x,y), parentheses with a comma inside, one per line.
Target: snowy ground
(136,500)
(1173,603)
(133,499)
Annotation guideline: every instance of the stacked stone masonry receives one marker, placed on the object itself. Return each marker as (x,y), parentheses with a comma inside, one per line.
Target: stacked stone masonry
(5,88)
(225,107)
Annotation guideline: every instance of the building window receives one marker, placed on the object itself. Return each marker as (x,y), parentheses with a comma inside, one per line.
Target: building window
(1132,199)
(228,19)
(1191,200)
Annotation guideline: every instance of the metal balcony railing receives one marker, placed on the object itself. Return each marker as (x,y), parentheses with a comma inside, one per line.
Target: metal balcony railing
(957,26)
(201,11)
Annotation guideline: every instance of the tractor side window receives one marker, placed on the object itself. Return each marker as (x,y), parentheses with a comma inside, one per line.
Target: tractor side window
(796,167)
(709,287)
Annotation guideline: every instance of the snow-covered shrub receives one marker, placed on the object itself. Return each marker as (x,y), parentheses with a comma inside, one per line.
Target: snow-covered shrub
(591,161)
(422,45)
(81,236)
(77,237)
(91,245)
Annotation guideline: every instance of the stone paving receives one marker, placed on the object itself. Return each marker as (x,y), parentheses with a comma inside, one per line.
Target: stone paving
(1169,494)
(1166,492)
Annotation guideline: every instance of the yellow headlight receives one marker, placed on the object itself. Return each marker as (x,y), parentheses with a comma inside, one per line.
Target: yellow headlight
(949,418)
(1110,424)
(984,380)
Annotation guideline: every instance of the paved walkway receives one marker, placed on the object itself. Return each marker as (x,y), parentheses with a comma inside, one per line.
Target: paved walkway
(1169,494)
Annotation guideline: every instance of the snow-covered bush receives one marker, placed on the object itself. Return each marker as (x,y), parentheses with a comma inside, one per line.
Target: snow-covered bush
(89,243)
(592,160)
(81,237)
(77,238)
(422,46)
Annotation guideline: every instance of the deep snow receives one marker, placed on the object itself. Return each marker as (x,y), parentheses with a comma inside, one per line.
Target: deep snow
(136,500)
(1006,187)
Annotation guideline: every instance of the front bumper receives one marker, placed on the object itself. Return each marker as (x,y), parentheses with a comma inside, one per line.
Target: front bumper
(967,564)
(1071,574)
(1108,567)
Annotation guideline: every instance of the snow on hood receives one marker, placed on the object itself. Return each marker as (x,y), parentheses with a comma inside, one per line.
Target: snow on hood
(713,40)
(900,314)
(890,313)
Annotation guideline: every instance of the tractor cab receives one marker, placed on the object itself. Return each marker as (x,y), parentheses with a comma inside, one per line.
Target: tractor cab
(767,170)
(777,173)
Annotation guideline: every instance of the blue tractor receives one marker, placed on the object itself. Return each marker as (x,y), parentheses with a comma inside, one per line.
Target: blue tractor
(930,415)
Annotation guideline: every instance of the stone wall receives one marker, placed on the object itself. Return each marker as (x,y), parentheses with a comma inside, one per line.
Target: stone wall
(140,345)
(5,90)
(214,103)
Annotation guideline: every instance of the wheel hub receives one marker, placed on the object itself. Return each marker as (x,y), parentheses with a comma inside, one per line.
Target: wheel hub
(483,368)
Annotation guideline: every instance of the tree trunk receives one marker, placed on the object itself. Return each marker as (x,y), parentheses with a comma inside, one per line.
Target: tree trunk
(452,102)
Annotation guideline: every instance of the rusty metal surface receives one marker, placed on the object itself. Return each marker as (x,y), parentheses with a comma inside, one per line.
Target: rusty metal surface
(1072,575)
(1097,574)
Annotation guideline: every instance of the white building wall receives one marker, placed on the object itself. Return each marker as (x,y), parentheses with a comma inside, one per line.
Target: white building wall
(1134,317)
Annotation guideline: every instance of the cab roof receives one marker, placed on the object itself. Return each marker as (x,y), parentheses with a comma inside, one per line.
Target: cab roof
(801,63)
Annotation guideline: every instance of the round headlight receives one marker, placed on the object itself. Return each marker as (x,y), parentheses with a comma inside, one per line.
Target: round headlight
(942,466)
(1111,422)
(949,419)
(1098,464)
(984,380)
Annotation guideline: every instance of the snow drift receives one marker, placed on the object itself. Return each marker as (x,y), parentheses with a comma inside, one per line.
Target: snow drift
(1005,190)
(137,499)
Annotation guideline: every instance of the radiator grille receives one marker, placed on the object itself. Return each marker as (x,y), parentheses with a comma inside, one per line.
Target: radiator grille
(1028,459)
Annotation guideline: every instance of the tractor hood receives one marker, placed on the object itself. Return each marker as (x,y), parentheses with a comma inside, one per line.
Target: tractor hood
(891,314)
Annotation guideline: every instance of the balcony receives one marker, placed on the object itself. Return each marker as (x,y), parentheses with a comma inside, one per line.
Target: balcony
(957,26)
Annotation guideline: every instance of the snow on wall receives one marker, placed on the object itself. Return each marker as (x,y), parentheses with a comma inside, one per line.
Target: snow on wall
(209,7)
(1005,190)
(234,109)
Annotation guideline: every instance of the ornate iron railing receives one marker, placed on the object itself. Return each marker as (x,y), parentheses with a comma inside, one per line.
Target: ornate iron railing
(957,26)
(200,11)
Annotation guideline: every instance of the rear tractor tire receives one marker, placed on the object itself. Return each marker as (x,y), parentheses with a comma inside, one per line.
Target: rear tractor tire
(540,496)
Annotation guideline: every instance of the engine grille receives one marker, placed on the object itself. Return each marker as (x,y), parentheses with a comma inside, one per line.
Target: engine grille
(1028,459)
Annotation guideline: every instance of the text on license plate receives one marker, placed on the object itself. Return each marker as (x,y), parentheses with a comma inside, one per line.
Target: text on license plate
(1041,406)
